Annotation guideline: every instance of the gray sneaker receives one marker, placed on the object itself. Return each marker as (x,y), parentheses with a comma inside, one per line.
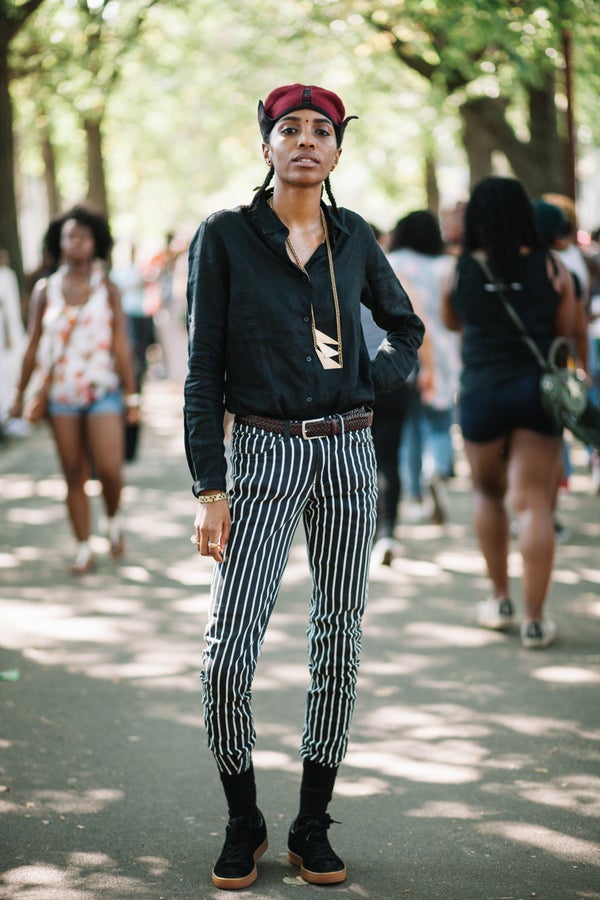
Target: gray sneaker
(535,635)
(498,615)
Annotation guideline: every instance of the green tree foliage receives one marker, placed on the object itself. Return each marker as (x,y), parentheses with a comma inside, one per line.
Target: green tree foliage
(500,65)
(74,51)
(166,92)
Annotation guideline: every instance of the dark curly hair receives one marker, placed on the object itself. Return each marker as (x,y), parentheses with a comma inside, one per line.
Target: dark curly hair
(103,241)
(499,220)
(419,231)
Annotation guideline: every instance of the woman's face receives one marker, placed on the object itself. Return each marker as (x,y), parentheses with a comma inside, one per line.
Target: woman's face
(302,148)
(76,241)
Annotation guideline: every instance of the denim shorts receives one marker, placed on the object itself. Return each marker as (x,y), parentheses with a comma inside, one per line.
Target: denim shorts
(491,413)
(101,406)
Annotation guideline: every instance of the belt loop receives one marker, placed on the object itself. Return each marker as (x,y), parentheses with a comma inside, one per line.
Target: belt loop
(286,430)
(340,417)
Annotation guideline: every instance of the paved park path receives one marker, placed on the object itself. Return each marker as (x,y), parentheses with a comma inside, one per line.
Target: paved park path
(474,767)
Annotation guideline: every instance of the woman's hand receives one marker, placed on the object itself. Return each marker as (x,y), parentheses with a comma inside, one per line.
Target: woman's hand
(426,383)
(132,408)
(212,525)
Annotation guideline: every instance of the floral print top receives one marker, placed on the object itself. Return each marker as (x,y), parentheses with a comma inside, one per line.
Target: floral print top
(77,341)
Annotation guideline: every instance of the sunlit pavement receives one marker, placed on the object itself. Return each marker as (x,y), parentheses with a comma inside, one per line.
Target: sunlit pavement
(473,771)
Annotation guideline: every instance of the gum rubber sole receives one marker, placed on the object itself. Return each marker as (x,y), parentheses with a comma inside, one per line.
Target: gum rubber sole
(237,884)
(316,877)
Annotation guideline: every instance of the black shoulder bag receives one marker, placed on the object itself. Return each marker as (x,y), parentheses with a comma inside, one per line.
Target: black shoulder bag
(563,391)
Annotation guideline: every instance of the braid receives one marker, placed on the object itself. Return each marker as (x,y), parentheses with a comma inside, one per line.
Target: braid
(330,194)
(262,190)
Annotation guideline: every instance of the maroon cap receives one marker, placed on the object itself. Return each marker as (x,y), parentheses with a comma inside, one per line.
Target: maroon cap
(284,99)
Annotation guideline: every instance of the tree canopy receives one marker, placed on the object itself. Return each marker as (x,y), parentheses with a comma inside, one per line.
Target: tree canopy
(147,107)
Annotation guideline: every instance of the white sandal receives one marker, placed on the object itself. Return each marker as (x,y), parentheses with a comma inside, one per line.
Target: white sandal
(84,561)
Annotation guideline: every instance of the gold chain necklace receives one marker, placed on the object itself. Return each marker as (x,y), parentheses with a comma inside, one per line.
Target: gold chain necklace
(325,347)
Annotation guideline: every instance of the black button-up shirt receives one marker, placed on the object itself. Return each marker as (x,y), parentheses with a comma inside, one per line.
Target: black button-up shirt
(251,347)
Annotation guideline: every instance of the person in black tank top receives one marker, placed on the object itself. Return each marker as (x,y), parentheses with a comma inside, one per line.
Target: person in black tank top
(513,449)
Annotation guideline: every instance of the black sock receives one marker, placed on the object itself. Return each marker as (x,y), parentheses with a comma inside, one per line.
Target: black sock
(316,789)
(240,791)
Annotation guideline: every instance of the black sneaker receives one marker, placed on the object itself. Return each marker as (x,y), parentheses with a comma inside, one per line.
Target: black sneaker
(309,848)
(245,843)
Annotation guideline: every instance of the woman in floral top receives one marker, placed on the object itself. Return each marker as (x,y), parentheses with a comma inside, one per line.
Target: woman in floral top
(77,331)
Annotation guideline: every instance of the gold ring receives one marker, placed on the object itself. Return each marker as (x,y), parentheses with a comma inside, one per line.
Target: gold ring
(195,540)
(210,544)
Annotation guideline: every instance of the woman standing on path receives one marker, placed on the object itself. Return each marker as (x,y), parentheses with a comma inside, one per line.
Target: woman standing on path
(514,450)
(274,296)
(416,254)
(78,331)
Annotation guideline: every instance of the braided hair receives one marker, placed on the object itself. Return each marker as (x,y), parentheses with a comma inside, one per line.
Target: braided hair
(263,191)
(330,194)
(499,220)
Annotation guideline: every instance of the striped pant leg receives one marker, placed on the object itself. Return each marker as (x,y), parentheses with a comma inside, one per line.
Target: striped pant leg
(271,479)
(339,524)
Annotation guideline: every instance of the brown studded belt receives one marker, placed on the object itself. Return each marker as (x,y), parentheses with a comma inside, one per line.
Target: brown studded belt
(326,426)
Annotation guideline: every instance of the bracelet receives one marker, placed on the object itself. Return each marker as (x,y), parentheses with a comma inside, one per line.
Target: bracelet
(212,498)
(132,401)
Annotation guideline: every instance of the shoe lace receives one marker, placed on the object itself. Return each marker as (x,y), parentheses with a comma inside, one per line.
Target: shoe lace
(505,607)
(534,630)
(316,833)
(238,836)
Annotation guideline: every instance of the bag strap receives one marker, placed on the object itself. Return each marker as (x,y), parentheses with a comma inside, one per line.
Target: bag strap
(523,333)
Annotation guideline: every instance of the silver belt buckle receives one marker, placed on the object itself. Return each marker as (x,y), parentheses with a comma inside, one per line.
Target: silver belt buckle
(305,422)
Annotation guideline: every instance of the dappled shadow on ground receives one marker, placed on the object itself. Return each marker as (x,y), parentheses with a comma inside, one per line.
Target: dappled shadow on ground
(472,770)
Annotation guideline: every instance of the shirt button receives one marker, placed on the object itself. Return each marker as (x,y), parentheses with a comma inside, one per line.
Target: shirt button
(309,359)
(309,399)
(306,319)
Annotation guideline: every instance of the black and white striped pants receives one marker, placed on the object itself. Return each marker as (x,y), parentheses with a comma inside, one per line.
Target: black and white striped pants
(330,483)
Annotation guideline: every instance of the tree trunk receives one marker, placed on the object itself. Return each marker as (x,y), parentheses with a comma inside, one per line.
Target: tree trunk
(477,143)
(49,157)
(546,148)
(96,194)
(9,229)
(538,162)
(431,186)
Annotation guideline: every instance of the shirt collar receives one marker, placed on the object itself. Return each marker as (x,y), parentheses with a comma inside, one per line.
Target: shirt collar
(271,224)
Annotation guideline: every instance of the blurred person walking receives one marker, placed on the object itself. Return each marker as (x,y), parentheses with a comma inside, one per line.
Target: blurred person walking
(165,300)
(417,256)
(78,333)
(593,259)
(274,296)
(131,283)
(554,229)
(12,336)
(514,450)
(389,415)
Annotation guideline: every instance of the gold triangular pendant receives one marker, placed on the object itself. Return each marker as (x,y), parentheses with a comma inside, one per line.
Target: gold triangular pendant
(327,362)
(326,348)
